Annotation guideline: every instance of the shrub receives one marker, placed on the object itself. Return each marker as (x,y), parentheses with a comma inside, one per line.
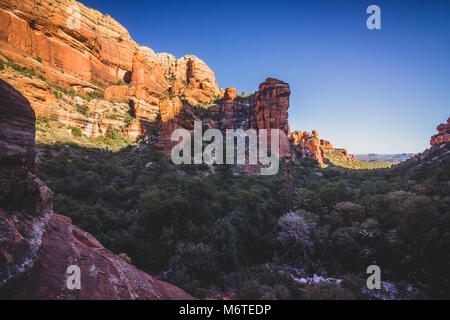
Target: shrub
(112,133)
(198,260)
(94,95)
(224,241)
(128,118)
(98,84)
(76,132)
(83,109)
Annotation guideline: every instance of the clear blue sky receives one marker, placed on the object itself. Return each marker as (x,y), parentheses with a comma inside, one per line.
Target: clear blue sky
(380,91)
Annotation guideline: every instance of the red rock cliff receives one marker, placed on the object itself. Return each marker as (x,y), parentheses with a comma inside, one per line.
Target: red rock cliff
(36,245)
(265,109)
(95,55)
(443,135)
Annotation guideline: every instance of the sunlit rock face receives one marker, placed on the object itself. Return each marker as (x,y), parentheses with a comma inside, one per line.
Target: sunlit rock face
(36,245)
(94,55)
(312,147)
(443,135)
(230,94)
(265,109)
(98,59)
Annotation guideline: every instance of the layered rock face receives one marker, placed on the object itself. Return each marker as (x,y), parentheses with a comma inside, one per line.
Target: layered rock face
(81,49)
(312,147)
(36,245)
(443,135)
(271,110)
(25,202)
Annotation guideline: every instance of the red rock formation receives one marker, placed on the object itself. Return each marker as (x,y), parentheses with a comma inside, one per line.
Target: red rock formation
(267,109)
(188,76)
(171,119)
(271,110)
(36,245)
(99,51)
(148,73)
(443,135)
(230,94)
(271,105)
(311,146)
(296,137)
(326,144)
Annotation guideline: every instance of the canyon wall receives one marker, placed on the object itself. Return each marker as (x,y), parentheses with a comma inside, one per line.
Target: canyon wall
(36,245)
(93,76)
(96,55)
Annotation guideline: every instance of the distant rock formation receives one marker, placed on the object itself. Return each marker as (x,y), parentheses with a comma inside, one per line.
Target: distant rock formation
(36,245)
(443,135)
(265,109)
(271,110)
(99,56)
(230,94)
(312,147)
(96,77)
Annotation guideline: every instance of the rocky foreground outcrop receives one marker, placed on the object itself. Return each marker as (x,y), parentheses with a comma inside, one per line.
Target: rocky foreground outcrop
(443,135)
(36,245)
(67,45)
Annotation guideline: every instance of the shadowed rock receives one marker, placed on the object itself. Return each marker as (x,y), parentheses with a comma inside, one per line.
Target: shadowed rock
(36,245)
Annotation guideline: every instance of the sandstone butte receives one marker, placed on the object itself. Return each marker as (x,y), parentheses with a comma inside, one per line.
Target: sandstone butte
(37,245)
(443,135)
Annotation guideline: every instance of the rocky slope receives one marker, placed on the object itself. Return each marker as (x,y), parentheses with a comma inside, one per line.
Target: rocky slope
(93,59)
(36,245)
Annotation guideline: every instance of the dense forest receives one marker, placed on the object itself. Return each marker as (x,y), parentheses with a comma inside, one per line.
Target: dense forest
(213,232)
